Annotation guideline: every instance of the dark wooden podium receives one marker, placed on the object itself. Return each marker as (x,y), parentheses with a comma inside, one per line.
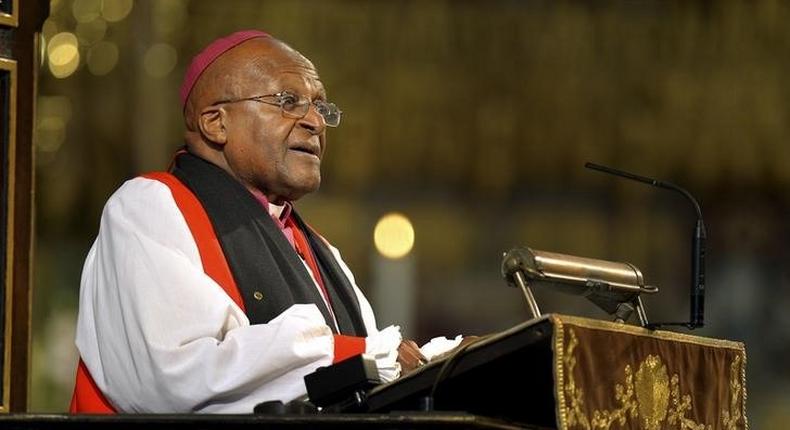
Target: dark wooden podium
(574,373)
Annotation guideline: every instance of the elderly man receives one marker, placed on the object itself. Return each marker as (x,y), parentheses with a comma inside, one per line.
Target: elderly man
(204,290)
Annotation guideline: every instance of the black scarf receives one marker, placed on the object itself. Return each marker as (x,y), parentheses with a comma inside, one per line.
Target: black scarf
(260,257)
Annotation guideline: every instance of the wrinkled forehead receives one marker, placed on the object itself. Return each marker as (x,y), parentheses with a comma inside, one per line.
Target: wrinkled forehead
(274,65)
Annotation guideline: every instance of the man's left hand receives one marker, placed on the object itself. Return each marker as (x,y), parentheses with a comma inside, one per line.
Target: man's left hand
(409,356)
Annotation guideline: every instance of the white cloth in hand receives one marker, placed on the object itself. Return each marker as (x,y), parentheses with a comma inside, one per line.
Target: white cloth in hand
(439,345)
(382,346)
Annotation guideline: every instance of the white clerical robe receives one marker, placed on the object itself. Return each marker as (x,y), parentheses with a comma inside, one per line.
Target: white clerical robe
(159,335)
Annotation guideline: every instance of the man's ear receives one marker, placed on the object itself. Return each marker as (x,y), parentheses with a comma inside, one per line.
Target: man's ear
(211,123)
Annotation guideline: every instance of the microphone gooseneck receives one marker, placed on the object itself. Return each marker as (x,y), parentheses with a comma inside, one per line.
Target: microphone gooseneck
(697,291)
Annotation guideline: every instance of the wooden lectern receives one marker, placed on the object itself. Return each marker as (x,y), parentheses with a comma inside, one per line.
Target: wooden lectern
(575,373)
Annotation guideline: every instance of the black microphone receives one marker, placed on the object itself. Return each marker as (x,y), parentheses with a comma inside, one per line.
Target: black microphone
(697,294)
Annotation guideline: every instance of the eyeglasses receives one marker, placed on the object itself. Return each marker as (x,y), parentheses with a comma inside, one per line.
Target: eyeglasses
(295,106)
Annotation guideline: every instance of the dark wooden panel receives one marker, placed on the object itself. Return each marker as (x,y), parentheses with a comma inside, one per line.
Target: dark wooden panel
(8,97)
(9,12)
(19,49)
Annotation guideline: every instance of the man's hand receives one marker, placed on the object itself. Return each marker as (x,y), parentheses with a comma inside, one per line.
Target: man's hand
(465,341)
(409,356)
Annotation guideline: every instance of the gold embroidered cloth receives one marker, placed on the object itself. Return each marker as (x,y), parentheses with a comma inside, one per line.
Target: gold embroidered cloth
(617,376)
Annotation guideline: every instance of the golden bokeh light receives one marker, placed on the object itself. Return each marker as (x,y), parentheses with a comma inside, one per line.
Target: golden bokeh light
(160,59)
(51,133)
(102,58)
(394,236)
(54,113)
(59,106)
(54,6)
(63,54)
(86,10)
(49,28)
(91,32)
(116,10)
(169,17)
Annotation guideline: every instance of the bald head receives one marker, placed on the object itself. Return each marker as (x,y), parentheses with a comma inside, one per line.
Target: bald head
(235,70)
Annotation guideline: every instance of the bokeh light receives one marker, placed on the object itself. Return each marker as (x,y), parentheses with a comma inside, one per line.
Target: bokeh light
(51,133)
(91,32)
(86,10)
(116,10)
(54,113)
(394,236)
(160,59)
(63,54)
(55,6)
(170,17)
(50,28)
(102,58)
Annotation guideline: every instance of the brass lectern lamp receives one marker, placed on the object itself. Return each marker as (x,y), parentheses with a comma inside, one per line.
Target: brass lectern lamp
(614,287)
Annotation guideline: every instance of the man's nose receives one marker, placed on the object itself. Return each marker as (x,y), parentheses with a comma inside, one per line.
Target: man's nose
(313,121)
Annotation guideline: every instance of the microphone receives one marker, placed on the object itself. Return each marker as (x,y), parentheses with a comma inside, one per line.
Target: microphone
(697,291)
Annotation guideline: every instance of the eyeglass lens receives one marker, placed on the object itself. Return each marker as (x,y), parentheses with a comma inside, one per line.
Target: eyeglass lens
(298,107)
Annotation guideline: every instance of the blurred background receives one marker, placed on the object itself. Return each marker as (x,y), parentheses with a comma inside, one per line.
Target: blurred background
(472,120)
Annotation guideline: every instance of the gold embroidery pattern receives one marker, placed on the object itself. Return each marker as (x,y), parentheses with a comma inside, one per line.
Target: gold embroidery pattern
(743,388)
(601,419)
(559,373)
(645,396)
(652,392)
(680,406)
(730,419)
(623,394)
(575,411)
